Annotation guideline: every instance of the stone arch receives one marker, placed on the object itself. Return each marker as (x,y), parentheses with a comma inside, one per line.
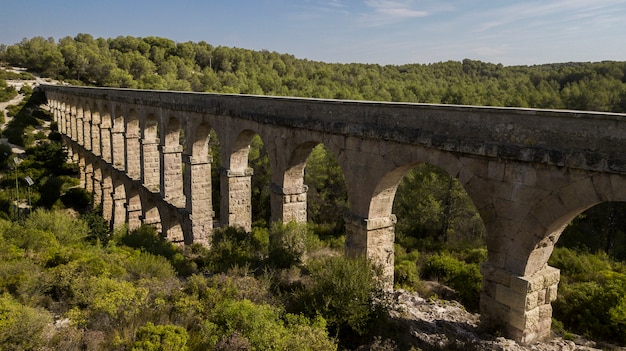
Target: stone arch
(150,159)
(80,123)
(546,221)
(171,175)
(289,200)
(238,156)
(118,211)
(132,157)
(134,208)
(235,182)
(70,118)
(107,194)
(151,214)
(118,143)
(197,184)
(95,129)
(518,284)
(105,133)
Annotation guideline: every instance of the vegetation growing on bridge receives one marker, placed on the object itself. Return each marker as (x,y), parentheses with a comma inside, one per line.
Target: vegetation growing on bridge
(206,298)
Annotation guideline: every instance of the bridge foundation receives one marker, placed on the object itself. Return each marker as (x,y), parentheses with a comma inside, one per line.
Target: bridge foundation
(518,305)
(374,238)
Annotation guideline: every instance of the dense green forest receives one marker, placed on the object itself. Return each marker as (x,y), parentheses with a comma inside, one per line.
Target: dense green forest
(159,63)
(292,280)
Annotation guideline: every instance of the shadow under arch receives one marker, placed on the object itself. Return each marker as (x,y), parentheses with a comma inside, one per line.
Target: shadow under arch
(601,228)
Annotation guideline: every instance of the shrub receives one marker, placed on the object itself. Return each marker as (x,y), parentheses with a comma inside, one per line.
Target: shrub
(592,292)
(287,244)
(262,327)
(66,229)
(77,198)
(346,292)
(231,247)
(464,277)
(22,327)
(147,238)
(406,274)
(98,226)
(152,337)
(26,89)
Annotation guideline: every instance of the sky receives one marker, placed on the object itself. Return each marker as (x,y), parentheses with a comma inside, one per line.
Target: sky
(510,32)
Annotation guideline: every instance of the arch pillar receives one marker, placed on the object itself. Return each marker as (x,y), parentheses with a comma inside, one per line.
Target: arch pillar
(171,175)
(119,207)
(86,130)
(150,164)
(98,188)
(80,130)
(519,305)
(374,239)
(198,200)
(236,206)
(105,143)
(289,203)
(95,134)
(117,149)
(133,212)
(152,217)
(132,159)
(87,178)
(107,198)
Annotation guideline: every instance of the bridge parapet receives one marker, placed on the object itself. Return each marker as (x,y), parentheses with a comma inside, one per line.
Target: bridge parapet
(575,139)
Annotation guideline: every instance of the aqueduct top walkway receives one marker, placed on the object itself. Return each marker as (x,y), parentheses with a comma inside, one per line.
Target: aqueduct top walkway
(529,172)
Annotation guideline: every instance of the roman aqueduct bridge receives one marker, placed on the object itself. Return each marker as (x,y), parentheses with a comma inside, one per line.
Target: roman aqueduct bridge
(529,172)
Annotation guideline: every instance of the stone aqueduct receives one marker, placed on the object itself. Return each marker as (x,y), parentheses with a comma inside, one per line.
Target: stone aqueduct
(529,172)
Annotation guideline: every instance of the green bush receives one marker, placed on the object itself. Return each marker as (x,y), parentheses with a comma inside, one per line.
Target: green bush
(406,273)
(22,327)
(65,228)
(288,243)
(346,292)
(147,238)
(463,277)
(77,198)
(234,247)
(262,327)
(592,295)
(152,337)
(26,89)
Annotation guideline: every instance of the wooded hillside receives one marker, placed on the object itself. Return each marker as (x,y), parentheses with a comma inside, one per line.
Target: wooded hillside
(160,63)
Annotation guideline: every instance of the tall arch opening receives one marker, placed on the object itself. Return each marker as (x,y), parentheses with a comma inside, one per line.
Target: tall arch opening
(245,180)
(327,196)
(172,166)
(591,256)
(422,227)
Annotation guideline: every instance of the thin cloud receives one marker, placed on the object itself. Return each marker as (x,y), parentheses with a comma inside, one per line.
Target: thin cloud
(565,10)
(390,11)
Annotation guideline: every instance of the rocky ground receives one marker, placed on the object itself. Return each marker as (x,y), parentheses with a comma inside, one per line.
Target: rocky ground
(434,324)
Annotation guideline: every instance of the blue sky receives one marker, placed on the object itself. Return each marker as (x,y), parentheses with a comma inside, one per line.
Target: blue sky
(511,32)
